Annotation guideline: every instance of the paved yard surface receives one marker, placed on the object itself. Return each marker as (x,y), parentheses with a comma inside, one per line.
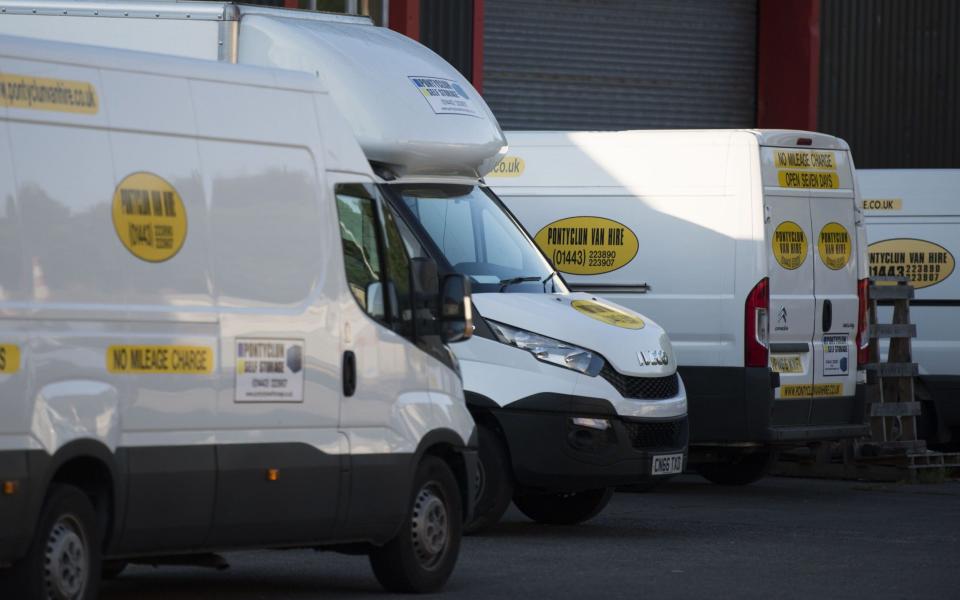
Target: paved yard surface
(779,538)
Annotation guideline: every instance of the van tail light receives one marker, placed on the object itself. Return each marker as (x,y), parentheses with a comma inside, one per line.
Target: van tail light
(756,324)
(863,335)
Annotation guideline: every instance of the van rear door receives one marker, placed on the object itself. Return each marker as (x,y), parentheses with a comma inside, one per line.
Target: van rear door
(811,234)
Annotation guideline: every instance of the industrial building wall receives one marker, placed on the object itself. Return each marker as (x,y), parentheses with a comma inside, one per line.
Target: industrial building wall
(890,80)
(615,64)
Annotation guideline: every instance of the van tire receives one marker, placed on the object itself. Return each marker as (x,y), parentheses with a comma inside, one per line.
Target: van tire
(563,508)
(495,489)
(67,537)
(421,557)
(743,469)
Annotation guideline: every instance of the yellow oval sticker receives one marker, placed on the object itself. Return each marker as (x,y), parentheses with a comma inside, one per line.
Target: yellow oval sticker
(834,246)
(789,245)
(509,166)
(9,358)
(608,314)
(149,217)
(924,263)
(587,245)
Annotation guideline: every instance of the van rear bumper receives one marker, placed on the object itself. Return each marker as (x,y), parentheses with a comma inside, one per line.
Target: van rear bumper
(549,452)
(730,405)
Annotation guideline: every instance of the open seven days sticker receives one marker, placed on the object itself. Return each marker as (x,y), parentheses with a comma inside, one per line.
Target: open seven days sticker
(445,97)
(269,370)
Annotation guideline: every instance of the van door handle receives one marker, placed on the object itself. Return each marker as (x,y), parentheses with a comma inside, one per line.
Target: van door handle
(349,373)
(827,315)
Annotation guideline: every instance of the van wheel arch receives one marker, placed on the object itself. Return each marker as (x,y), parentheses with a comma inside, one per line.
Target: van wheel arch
(443,444)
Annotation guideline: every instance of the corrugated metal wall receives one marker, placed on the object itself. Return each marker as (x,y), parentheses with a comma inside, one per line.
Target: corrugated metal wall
(446,27)
(614,64)
(890,80)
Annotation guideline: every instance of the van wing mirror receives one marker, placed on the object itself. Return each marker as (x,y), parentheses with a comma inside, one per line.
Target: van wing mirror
(374,300)
(456,309)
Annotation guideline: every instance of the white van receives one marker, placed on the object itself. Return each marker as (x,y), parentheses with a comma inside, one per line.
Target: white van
(206,330)
(744,245)
(913,228)
(574,395)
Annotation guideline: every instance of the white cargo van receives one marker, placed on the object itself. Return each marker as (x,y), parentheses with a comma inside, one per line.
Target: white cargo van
(574,395)
(744,245)
(913,228)
(206,332)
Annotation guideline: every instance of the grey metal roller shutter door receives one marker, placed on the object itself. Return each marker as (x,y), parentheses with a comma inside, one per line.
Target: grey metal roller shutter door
(617,64)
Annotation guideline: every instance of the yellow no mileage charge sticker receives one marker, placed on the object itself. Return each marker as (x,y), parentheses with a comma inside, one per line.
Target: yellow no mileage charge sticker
(9,358)
(834,246)
(608,314)
(149,217)
(789,245)
(160,360)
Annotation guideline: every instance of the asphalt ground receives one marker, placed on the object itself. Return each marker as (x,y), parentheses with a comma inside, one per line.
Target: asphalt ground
(779,538)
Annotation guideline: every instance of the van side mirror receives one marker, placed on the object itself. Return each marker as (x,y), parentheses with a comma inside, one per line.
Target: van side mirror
(456,310)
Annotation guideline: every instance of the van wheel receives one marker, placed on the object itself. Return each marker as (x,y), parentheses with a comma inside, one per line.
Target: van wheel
(563,508)
(738,470)
(422,555)
(494,485)
(63,560)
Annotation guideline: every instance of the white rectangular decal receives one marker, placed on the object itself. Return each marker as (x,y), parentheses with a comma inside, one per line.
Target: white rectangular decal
(835,355)
(269,370)
(445,97)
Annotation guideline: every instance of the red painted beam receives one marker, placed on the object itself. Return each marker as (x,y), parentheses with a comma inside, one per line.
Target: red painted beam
(405,17)
(788,64)
(477,62)
(291,3)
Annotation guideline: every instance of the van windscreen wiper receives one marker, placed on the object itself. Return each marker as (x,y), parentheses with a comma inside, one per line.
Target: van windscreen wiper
(504,283)
(548,278)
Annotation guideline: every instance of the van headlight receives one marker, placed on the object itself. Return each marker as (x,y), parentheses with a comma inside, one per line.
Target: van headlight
(549,350)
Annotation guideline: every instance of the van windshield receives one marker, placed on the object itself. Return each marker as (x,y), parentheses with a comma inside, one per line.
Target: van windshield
(478,238)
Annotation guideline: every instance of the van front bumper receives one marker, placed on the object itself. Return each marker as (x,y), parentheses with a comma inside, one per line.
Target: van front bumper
(733,405)
(549,451)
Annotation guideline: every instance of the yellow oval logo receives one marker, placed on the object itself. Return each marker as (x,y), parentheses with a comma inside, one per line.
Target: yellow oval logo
(834,246)
(924,263)
(587,245)
(509,166)
(608,314)
(789,245)
(149,217)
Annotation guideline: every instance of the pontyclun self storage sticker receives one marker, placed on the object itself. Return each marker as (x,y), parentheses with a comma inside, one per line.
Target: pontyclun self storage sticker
(923,263)
(149,217)
(9,358)
(806,390)
(836,355)
(445,96)
(587,245)
(608,314)
(834,246)
(509,166)
(39,93)
(269,370)
(789,245)
(786,363)
(160,360)
(880,204)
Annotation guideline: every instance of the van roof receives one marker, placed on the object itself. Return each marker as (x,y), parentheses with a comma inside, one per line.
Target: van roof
(341,153)
(176,9)
(763,137)
(411,110)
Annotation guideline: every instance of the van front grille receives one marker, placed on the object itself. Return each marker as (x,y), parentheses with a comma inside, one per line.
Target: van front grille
(646,435)
(647,388)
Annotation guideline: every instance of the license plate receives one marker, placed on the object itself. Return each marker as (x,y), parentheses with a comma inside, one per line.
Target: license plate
(667,464)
